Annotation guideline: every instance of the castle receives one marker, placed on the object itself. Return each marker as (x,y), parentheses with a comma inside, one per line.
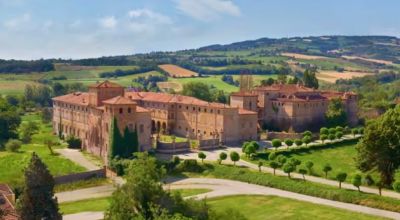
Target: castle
(293,108)
(89,116)
(286,107)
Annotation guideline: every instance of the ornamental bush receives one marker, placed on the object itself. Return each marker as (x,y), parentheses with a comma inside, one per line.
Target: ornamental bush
(74,142)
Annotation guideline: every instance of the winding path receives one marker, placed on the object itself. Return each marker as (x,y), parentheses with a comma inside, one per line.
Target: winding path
(221,187)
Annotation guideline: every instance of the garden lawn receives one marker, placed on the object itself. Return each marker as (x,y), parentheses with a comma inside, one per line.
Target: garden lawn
(341,157)
(273,207)
(13,164)
(101,204)
(253,207)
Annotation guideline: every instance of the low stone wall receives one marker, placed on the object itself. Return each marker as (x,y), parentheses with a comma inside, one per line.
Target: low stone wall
(284,135)
(208,144)
(177,147)
(101,173)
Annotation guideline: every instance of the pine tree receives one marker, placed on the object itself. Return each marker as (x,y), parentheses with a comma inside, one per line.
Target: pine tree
(37,200)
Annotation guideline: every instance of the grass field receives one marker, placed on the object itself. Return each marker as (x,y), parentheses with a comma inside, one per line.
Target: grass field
(341,156)
(217,82)
(253,207)
(13,164)
(101,204)
(273,207)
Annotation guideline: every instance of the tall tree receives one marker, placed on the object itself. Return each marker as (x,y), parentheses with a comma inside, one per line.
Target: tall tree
(199,90)
(310,79)
(143,197)
(115,139)
(37,200)
(380,147)
(335,114)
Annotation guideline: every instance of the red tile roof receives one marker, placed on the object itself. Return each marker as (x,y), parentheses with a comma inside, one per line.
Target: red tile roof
(106,84)
(243,94)
(78,98)
(172,98)
(5,203)
(119,100)
(141,109)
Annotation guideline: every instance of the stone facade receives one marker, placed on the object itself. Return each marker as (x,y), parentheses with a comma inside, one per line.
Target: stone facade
(89,116)
(293,107)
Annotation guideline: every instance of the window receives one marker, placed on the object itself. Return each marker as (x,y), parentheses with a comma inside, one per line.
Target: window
(121,110)
(180,106)
(187,107)
(218,111)
(129,110)
(194,109)
(211,111)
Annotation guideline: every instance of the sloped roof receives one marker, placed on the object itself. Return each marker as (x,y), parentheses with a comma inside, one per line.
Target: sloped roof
(106,84)
(242,93)
(78,98)
(172,98)
(119,100)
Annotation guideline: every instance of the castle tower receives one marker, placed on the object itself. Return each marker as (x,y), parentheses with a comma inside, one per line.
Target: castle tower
(123,109)
(103,91)
(244,100)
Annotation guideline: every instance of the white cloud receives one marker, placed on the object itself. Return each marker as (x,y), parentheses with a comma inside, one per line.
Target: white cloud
(146,14)
(207,10)
(108,22)
(47,25)
(18,22)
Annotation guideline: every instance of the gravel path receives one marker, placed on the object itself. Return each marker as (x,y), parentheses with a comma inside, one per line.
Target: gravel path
(76,156)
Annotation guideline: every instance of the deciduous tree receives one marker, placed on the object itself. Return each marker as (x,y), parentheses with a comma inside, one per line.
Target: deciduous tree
(379,149)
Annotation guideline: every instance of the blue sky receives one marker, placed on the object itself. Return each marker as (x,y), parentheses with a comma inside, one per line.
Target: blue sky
(31,29)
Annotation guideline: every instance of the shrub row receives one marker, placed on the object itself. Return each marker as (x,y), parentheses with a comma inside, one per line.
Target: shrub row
(302,187)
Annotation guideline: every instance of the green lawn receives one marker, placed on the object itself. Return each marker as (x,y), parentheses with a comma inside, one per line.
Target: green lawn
(273,207)
(87,205)
(341,157)
(168,139)
(101,204)
(253,207)
(191,192)
(13,164)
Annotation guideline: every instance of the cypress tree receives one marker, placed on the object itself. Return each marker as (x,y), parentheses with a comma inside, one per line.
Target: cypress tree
(37,200)
(115,140)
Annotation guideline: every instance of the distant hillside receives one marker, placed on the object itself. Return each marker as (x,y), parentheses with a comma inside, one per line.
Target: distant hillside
(373,47)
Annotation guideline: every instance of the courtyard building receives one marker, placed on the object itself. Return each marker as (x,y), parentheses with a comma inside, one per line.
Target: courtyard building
(89,115)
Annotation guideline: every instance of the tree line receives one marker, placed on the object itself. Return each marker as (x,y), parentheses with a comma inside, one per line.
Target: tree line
(20,66)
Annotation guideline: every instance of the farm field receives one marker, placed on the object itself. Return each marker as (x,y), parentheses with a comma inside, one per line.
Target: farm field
(216,81)
(177,71)
(13,164)
(332,76)
(252,207)
(370,60)
(303,56)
